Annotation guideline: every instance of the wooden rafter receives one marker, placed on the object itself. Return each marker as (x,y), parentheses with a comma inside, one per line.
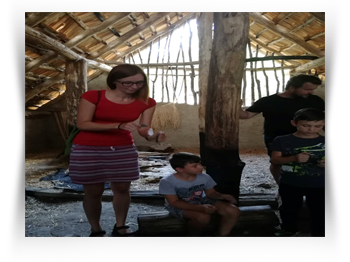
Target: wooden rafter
(303,25)
(320,16)
(77,40)
(283,33)
(261,44)
(159,34)
(36,18)
(128,35)
(308,66)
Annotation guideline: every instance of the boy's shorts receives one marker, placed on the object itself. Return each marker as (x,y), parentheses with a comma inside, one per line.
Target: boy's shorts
(176,212)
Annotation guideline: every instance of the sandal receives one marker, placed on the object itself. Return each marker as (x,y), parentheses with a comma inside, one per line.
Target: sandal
(116,233)
(100,233)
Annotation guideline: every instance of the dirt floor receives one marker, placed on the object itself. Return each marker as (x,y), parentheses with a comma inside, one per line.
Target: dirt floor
(48,217)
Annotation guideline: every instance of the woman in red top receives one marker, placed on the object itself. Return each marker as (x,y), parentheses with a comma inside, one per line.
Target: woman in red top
(104,150)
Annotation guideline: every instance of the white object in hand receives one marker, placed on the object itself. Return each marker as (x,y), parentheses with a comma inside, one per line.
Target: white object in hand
(150,132)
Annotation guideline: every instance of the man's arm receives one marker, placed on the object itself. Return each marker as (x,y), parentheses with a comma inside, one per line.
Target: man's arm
(245,114)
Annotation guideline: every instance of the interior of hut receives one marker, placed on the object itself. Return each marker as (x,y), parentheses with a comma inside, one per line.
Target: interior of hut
(167,46)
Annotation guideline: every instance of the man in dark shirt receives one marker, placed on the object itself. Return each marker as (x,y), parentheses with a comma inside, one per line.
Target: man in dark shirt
(278,110)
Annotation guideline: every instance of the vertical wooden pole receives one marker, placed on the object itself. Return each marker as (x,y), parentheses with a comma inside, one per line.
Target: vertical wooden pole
(149,58)
(256,73)
(283,76)
(251,73)
(205,24)
(223,99)
(192,75)
(244,84)
(275,71)
(266,77)
(76,85)
(185,81)
(155,78)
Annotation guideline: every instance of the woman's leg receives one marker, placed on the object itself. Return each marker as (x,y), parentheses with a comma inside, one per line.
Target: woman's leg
(121,203)
(229,217)
(92,204)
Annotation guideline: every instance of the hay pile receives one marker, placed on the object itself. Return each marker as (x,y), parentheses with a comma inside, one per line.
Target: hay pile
(166,117)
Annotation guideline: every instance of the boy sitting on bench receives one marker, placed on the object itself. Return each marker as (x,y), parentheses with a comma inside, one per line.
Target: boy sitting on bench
(190,195)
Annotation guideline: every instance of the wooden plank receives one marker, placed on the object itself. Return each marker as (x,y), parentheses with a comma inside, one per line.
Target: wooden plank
(244,199)
(253,218)
(70,194)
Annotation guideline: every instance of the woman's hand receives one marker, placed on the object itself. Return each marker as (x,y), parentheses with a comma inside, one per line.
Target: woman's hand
(158,136)
(128,126)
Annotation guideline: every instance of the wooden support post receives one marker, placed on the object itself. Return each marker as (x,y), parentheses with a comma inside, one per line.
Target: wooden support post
(283,75)
(223,98)
(167,71)
(205,24)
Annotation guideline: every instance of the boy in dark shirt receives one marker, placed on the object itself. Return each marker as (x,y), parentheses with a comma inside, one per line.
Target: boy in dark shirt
(278,110)
(302,159)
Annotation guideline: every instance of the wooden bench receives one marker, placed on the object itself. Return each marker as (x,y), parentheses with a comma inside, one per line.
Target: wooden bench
(254,221)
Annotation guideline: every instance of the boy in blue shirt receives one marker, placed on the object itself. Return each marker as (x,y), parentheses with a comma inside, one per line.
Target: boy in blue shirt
(190,195)
(302,156)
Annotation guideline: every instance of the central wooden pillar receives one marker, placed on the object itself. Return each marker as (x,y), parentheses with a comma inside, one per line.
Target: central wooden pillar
(222,105)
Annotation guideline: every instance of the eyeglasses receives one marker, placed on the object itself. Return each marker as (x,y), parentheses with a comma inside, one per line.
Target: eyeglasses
(129,84)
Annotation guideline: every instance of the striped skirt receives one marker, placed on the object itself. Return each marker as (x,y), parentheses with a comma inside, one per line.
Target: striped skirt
(98,164)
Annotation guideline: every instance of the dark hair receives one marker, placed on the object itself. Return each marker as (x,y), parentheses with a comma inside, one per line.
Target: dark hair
(126,70)
(309,114)
(299,80)
(181,159)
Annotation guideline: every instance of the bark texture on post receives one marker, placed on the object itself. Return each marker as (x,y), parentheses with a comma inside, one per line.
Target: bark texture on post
(205,24)
(222,107)
(76,85)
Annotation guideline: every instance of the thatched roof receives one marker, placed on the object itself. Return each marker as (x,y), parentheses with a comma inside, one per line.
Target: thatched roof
(104,39)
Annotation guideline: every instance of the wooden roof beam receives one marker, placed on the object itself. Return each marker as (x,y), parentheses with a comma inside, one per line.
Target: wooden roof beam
(38,89)
(303,25)
(159,34)
(320,16)
(308,66)
(36,18)
(252,38)
(77,39)
(283,33)
(128,35)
